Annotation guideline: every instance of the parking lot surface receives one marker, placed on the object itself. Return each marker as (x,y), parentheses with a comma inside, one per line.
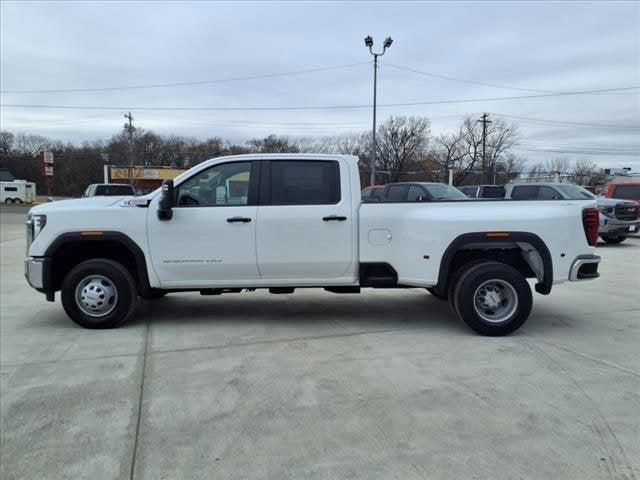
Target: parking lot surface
(314,385)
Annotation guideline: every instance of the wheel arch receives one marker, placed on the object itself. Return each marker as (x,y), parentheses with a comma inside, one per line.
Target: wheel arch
(542,269)
(71,248)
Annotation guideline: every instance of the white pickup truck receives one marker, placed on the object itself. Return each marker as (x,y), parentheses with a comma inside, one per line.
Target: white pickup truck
(283,221)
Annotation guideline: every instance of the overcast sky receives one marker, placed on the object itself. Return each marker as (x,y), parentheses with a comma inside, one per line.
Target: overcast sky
(529,47)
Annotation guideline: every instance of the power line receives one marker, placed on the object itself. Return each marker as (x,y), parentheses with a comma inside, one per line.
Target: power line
(318,107)
(183,84)
(562,122)
(574,152)
(473,82)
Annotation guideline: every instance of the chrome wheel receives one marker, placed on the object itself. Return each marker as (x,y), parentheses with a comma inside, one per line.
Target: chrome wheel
(495,301)
(96,296)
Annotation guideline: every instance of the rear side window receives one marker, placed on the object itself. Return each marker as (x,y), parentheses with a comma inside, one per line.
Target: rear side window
(10,189)
(397,193)
(525,193)
(304,182)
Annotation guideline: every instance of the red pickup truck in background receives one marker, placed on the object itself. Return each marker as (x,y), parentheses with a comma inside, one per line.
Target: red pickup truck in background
(626,191)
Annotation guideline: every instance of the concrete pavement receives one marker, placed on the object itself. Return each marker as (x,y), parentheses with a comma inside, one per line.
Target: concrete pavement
(387,384)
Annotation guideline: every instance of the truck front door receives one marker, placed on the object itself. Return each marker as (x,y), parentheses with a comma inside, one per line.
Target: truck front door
(211,238)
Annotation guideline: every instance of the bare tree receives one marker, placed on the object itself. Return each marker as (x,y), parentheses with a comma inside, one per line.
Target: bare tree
(558,165)
(6,143)
(30,144)
(448,152)
(501,137)
(583,170)
(400,142)
(272,144)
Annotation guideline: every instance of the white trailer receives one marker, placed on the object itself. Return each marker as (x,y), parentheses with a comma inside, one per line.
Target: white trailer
(17,192)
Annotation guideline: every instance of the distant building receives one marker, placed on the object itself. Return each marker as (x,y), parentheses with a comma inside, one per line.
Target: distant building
(144,179)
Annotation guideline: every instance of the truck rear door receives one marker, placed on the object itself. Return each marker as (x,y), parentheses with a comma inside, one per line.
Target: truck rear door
(304,221)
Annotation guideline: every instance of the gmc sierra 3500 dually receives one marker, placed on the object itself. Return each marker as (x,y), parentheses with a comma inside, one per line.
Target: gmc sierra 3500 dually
(283,221)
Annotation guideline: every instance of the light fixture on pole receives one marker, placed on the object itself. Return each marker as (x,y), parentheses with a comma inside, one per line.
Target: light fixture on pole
(368,42)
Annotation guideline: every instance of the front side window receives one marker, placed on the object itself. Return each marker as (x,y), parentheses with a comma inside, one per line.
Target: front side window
(397,193)
(295,182)
(471,192)
(548,193)
(415,193)
(493,192)
(525,193)
(220,185)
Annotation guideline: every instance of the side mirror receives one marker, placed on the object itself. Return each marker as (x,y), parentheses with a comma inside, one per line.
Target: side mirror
(167,199)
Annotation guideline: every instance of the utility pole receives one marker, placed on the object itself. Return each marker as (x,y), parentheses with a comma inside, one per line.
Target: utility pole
(484,120)
(368,42)
(129,129)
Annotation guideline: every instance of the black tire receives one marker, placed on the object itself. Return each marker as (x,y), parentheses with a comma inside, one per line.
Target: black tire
(432,291)
(468,286)
(8,201)
(17,201)
(154,293)
(120,279)
(455,278)
(613,238)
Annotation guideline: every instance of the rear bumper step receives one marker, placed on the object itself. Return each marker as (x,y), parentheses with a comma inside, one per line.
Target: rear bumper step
(584,267)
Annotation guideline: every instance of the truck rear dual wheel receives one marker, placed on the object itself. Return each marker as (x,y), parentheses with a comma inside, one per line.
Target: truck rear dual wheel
(492,298)
(99,293)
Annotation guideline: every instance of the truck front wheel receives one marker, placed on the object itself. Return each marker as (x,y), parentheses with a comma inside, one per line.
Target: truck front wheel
(613,238)
(99,294)
(493,298)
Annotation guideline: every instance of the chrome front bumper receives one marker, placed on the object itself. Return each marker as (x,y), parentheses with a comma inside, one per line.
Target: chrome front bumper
(584,267)
(34,271)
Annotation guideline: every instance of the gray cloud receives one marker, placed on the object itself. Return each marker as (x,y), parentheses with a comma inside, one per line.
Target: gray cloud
(544,46)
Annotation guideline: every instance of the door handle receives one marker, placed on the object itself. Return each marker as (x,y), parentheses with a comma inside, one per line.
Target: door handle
(336,218)
(238,220)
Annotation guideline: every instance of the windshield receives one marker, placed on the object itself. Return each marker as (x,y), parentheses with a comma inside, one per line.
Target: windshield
(444,192)
(574,192)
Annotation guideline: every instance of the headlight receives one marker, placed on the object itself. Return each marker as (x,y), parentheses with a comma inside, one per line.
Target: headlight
(37,223)
(608,211)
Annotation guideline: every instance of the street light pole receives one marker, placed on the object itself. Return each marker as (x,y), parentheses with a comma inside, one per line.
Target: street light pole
(368,41)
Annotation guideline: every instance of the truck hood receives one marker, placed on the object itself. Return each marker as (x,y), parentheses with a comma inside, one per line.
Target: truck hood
(77,204)
(612,202)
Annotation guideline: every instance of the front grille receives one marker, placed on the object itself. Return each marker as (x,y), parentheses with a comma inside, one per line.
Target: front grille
(626,212)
